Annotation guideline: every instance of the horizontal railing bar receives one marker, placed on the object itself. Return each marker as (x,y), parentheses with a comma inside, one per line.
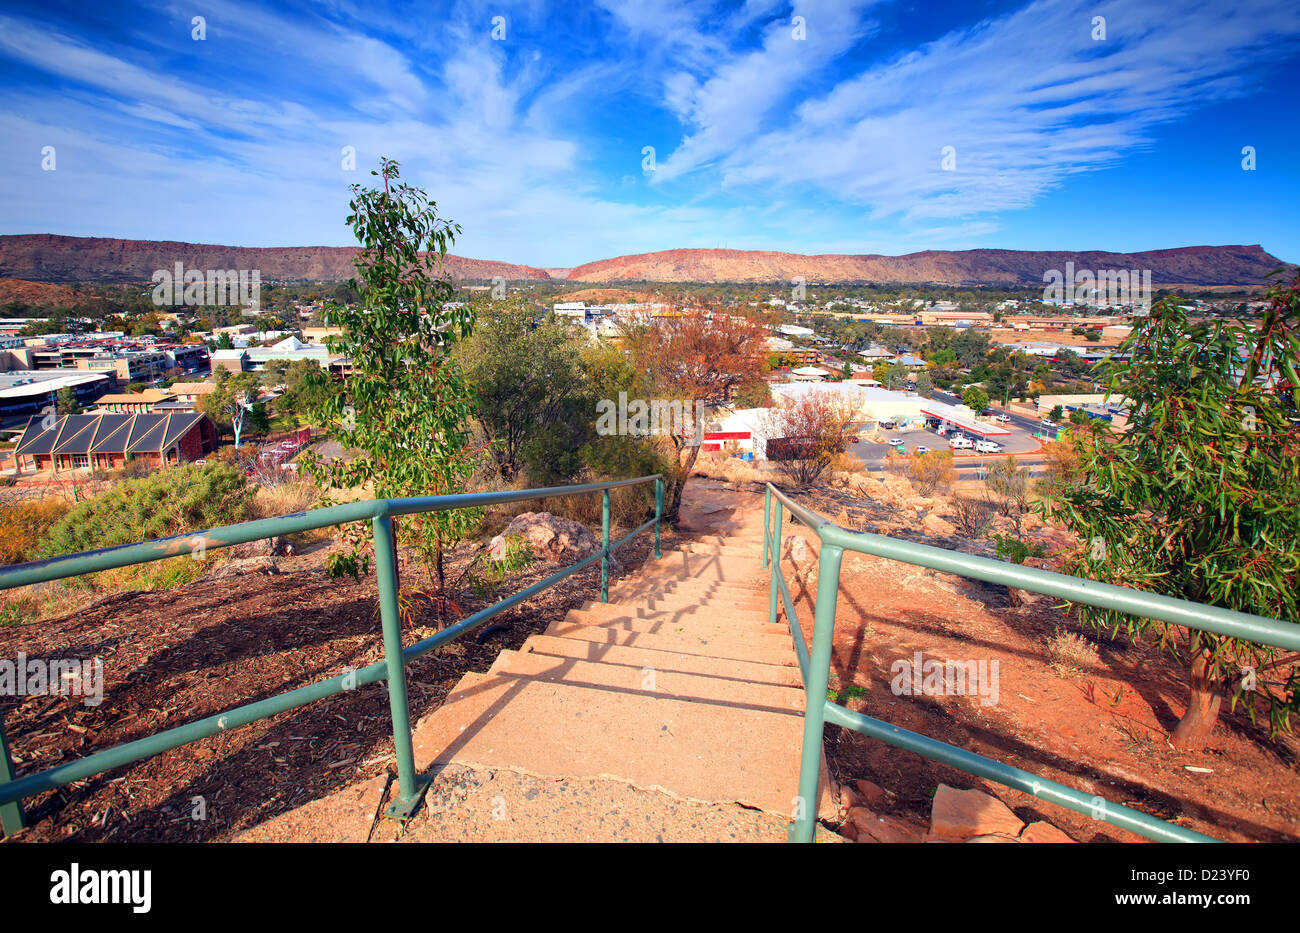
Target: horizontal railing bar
(160,742)
(72,565)
(239,716)
(1141,603)
(1042,788)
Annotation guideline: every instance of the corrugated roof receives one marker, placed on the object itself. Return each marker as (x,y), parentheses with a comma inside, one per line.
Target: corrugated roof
(142,428)
(104,433)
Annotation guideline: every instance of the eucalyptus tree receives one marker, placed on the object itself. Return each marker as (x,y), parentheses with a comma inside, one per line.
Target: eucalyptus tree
(1200,497)
(406,404)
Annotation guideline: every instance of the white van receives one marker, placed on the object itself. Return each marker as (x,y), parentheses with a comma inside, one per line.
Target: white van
(961,442)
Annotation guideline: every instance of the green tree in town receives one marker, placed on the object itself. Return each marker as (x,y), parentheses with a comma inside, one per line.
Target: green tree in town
(530,392)
(924,384)
(975,398)
(66,402)
(1200,498)
(228,406)
(407,405)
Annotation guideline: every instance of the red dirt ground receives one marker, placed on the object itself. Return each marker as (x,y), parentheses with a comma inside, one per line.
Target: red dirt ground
(176,656)
(1103,730)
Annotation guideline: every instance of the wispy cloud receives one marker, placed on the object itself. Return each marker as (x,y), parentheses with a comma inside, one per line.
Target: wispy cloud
(764,140)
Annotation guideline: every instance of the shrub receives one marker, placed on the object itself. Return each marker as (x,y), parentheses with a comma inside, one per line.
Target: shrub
(23,525)
(1017,551)
(972,515)
(173,501)
(932,471)
(1071,653)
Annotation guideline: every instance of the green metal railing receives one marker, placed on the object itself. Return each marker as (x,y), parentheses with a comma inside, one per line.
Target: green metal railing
(815,666)
(380,512)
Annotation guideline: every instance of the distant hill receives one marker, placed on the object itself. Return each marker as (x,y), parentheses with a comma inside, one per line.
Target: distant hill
(50,258)
(36,293)
(1193,265)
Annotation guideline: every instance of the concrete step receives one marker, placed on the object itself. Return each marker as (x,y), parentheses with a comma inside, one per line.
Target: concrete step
(706,622)
(697,750)
(649,682)
(784,672)
(688,602)
(771,649)
(703,566)
(687,590)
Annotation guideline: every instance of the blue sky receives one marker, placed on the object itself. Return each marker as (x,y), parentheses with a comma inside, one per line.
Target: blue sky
(534,141)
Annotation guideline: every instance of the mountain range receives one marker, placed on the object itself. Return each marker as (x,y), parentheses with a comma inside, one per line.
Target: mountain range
(54,258)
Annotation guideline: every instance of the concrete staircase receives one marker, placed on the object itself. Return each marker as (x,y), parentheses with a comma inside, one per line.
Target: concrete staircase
(674,712)
(678,684)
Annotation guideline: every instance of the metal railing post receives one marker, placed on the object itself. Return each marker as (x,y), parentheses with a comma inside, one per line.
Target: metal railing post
(659,512)
(11,814)
(767,518)
(604,547)
(776,561)
(390,616)
(819,669)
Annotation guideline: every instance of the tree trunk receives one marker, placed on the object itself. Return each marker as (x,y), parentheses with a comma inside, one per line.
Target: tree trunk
(677,486)
(1193,730)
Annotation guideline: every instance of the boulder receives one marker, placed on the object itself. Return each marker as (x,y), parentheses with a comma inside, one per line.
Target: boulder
(549,537)
(936,527)
(964,814)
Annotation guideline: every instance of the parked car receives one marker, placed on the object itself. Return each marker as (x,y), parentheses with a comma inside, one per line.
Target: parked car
(961,442)
(922,450)
(895,442)
(987,447)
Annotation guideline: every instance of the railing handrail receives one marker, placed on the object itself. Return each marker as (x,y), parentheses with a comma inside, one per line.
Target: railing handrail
(122,555)
(815,664)
(1221,621)
(392,669)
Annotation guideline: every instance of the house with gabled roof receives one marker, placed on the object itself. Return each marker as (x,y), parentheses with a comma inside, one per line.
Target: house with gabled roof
(108,441)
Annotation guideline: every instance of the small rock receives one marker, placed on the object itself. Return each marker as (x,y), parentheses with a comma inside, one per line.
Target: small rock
(798,549)
(872,793)
(962,814)
(1043,832)
(873,827)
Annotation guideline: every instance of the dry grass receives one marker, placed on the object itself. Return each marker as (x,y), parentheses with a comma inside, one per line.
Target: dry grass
(1069,653)
(285,498)
(728,469)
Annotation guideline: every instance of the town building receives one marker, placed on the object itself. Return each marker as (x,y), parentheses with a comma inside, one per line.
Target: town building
(25,393)
(108,441)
